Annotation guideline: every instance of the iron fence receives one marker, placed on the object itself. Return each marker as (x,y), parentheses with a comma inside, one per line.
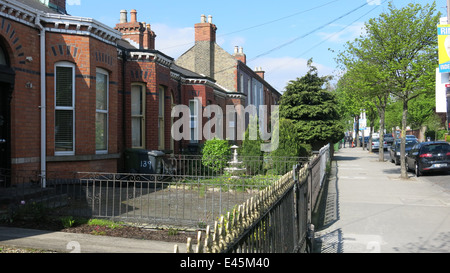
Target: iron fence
(277,220)
(266,208)
(189,195)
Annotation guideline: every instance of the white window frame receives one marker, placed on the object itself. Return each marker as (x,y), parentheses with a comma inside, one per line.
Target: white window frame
(193,122)
(142,116)
(249,91)
(161,119)
(106,112)
(66,108)
(255,95)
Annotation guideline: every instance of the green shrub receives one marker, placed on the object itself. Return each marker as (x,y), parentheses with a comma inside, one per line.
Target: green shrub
(34,211)
(289,149)
(215,154)
(252,156)
(67,221)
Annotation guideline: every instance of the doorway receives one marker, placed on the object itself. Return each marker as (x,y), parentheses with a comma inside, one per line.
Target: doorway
(7,76)
(5,135)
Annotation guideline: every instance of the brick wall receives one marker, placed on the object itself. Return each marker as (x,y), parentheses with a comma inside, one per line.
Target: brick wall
(22,44)
(19,41)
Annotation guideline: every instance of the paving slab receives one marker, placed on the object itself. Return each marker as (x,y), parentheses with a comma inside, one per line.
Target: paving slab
(369,208)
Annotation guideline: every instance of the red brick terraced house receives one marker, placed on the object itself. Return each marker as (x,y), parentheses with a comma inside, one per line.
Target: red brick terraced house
(244,85)
(75,93)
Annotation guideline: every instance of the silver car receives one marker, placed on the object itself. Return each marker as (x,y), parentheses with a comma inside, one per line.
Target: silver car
(376,144)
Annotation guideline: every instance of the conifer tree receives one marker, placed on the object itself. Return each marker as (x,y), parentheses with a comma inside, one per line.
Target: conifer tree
(313,109)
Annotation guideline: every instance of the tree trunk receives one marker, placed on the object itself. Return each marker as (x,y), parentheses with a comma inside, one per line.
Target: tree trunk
(381,150)
(423,130)
(404,172)
(356,140)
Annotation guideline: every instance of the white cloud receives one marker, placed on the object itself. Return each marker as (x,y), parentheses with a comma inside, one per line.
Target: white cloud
(374,2)
(73,2)
(344,33)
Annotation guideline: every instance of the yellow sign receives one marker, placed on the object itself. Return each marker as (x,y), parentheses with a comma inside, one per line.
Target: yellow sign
(444,48)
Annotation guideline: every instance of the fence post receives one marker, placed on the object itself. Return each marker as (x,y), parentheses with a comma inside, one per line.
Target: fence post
(296,226)
(310,226)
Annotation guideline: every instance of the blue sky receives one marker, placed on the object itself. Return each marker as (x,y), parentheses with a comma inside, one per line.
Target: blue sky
(279,36)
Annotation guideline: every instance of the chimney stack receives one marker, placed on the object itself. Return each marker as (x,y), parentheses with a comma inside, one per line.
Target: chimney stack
(205,31)
(205,41)
(138,34)
(149,37)
(260,72)
(239,54)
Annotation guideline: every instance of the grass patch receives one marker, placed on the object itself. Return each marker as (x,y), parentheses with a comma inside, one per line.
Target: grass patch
(233,183)
(105,223)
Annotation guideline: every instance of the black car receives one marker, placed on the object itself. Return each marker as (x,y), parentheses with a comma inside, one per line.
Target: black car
(428,157)
(395,149)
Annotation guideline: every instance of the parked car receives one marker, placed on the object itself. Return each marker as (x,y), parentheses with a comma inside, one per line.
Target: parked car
(366,140)
(389,138)
(376,144)
(395,149)
(411,137)
(429,157)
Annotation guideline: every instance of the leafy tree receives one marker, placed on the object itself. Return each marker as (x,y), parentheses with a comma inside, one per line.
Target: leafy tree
(215,154)
(313,109)
(400,50)
(358,91)
(369,81)
(404,45)
(420,110)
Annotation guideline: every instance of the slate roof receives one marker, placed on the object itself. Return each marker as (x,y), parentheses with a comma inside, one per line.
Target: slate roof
(36,4)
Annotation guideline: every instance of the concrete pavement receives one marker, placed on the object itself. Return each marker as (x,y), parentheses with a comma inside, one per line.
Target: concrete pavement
(366,207)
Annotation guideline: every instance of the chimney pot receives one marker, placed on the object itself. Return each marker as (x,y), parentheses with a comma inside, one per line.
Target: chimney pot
(210,19)
(241,50)
(203,19)
(123,16)
(236,50)
(133,16)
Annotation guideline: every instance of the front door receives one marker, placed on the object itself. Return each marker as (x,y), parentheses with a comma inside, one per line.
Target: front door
(5,126)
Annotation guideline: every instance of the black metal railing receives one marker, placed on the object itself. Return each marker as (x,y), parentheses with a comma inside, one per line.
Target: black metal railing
(277,220)
(189,194)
